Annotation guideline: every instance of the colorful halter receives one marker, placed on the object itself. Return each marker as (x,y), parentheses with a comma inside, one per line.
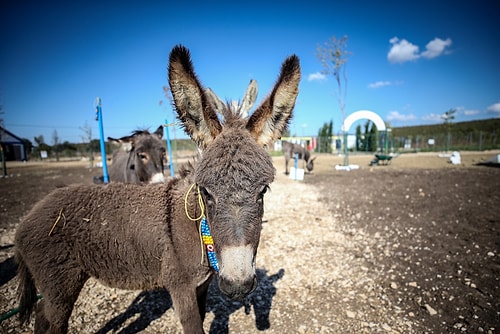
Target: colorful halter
(205,236)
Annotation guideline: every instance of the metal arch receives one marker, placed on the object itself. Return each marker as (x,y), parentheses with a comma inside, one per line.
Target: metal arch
(363,114)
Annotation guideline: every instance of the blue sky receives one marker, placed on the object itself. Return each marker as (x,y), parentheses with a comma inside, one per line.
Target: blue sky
(411,60)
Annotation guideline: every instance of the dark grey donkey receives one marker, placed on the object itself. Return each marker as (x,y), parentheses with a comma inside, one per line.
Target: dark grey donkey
(291,149)
(134,236)
(140,158)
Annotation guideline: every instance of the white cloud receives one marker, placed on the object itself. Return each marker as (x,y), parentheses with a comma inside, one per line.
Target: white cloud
(433,118)
(402,50)
(494,108)
(436,47)
(470,112)
(379,84)
(316,77)
(396,116)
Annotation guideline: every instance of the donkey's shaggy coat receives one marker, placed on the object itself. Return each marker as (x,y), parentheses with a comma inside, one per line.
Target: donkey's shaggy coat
(140,236)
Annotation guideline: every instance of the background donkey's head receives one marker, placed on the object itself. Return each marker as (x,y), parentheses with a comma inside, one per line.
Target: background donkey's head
(234,170)
(140,157)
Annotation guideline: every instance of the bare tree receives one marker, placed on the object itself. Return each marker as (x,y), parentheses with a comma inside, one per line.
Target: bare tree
(56,144)
(87,138)
(448,118)
(333,57)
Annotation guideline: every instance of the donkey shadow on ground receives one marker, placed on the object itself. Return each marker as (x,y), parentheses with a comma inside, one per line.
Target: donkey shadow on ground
(260,300)
(8,267)
(151,305)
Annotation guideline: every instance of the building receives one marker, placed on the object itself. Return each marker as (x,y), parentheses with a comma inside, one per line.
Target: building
(13,147)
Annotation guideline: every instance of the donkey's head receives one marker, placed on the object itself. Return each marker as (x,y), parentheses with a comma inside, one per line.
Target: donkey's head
(140,158)
(234,170)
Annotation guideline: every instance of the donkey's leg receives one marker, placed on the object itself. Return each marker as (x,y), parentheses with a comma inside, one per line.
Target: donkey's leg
(60,293)
(186,308)
(201,293)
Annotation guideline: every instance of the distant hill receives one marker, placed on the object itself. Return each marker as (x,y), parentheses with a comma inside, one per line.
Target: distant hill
(472,135)
(486,126)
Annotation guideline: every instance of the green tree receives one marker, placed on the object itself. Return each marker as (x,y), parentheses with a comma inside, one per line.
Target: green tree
(28,145)
(41,145)
(333,57)
(324,138)
(359,139)
(372,138)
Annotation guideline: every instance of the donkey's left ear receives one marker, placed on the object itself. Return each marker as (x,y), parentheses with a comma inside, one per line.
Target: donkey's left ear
(270,119)
(126,143)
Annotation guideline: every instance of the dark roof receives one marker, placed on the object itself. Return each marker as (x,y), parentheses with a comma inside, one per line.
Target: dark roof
(9,137)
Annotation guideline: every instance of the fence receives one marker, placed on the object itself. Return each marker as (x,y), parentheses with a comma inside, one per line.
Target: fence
(469,141)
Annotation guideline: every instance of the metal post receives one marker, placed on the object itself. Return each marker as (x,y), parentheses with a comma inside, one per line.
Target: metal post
(171,160)
(2,156)
(103,146)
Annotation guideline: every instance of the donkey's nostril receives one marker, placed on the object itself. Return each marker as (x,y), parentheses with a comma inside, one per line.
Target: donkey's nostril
(237,289)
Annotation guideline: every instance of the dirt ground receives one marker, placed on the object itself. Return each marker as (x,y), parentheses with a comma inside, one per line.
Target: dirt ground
(411,247)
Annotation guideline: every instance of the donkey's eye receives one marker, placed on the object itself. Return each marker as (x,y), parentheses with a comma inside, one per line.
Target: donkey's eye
(208,198)
(142,156)
(260,197)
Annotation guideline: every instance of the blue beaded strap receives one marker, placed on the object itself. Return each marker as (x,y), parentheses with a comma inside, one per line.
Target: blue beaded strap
(209,244)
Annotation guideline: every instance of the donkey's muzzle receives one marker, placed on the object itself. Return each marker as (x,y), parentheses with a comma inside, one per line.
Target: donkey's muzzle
(237,289)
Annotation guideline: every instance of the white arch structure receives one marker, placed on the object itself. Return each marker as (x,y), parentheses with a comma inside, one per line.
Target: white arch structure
(363,114)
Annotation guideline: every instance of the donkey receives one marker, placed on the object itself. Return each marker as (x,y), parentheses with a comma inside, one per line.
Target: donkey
(291,149)
(139,158)
(147,236)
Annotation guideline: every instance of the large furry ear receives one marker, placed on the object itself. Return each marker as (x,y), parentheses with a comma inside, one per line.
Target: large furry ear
(217,103)
(193,110)
(270,119)
(249,98)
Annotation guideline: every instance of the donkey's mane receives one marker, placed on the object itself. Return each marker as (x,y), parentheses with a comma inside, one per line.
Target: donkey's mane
(231,113)
(140,132)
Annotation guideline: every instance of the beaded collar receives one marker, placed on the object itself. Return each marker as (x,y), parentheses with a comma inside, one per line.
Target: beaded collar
(205,235)
(208,241)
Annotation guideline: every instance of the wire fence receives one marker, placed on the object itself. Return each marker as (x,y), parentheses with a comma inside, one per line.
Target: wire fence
(438,142)
(470,141)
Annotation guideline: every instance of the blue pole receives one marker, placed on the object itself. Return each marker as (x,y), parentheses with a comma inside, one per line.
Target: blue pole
(171,160)
(101,134)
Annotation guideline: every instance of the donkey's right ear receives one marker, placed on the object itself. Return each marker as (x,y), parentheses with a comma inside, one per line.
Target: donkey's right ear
(159,132)
(198,117)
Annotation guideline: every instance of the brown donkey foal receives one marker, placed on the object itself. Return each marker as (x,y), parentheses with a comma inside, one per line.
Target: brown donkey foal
(134,236)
